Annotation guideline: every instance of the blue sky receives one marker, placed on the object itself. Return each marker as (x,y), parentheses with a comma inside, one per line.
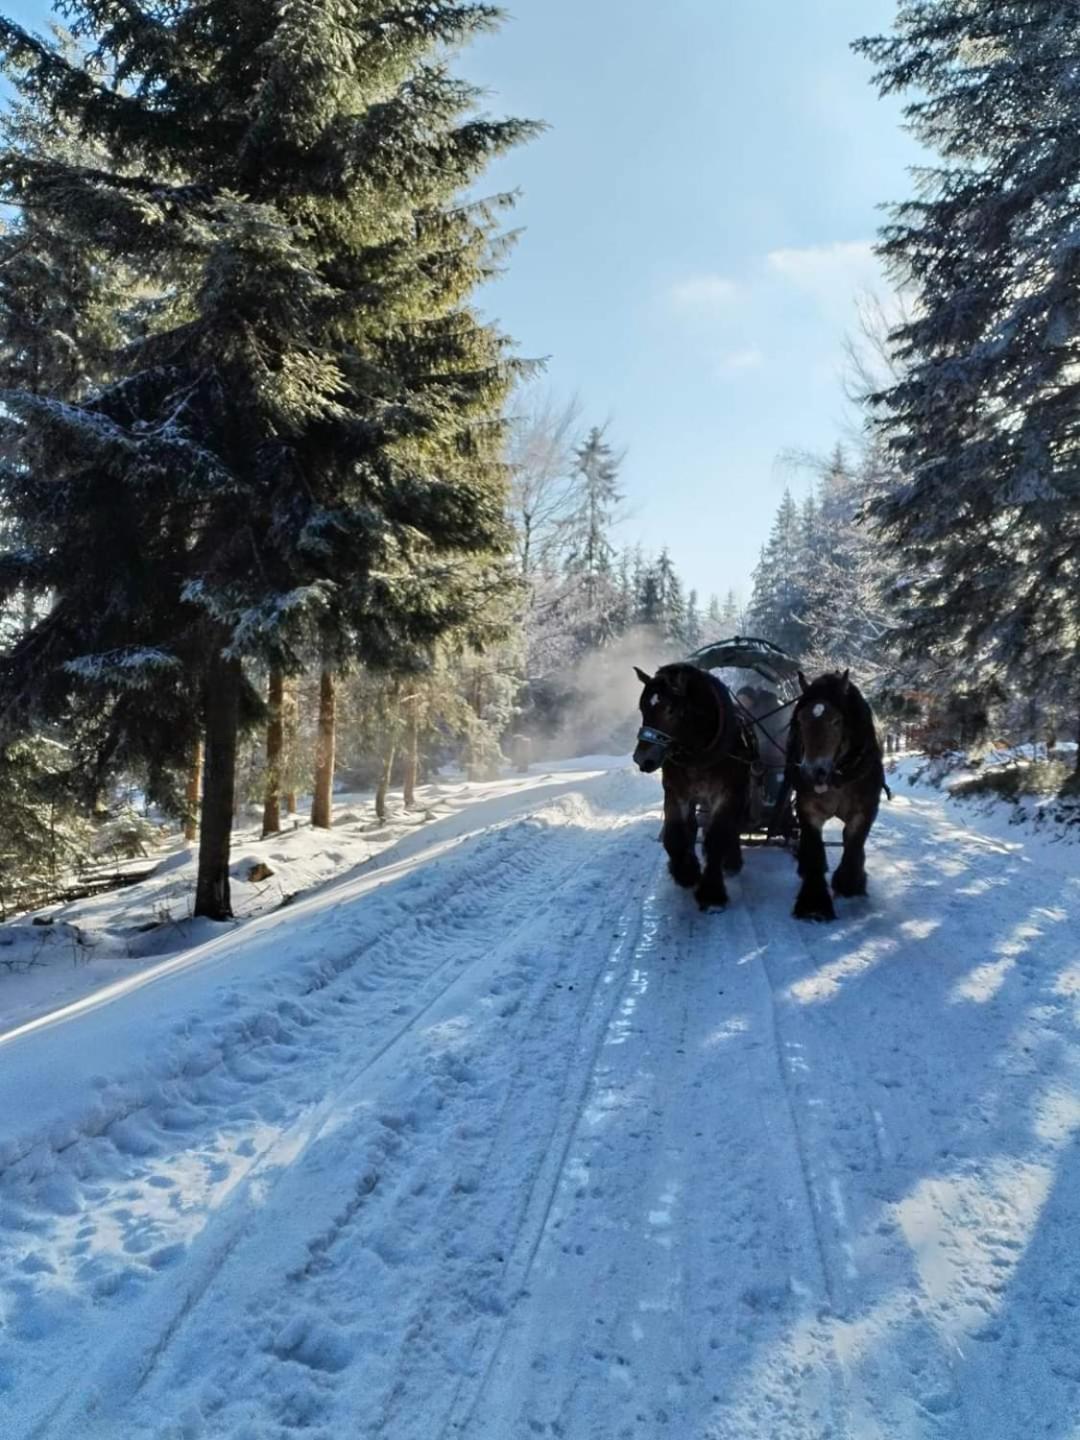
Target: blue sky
(697,221)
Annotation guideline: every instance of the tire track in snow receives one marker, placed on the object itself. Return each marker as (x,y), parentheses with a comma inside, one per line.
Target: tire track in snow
(664,1261)
(336,1255)
(808,1184)
(637,925)
(546,860)
(897,1376)
(445,1251)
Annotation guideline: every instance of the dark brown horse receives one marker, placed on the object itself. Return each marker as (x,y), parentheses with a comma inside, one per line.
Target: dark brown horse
(693,732)
(835,765)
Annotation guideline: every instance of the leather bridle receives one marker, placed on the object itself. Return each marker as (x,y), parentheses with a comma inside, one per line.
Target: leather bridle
(675,752)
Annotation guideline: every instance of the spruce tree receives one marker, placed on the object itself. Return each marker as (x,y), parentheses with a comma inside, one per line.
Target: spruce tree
(650,602)
(61,317)
(301,452)
(590,551)
(731,617)
(846,574)
(693,630)
(41,835)
(777,600)
(981,419)
(672,602)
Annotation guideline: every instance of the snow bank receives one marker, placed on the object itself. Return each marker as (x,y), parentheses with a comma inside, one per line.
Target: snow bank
(63,952)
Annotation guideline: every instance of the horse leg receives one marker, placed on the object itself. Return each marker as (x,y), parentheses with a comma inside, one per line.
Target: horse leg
(679,835)
(849,877)
(813,901)
(721,844)
(739,812)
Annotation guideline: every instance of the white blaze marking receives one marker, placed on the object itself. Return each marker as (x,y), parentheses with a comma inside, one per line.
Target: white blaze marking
(819,710)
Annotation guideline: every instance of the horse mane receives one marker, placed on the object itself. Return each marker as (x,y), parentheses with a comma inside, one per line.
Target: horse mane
(695,683)
(699,685)
(684,671)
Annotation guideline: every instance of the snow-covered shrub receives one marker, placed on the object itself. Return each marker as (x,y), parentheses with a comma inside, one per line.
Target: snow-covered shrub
(41,834)
(126,836)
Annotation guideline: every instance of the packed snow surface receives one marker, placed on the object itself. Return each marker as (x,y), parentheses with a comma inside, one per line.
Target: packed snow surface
(498,1137)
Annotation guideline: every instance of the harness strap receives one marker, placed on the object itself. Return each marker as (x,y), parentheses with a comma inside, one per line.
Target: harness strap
(654,737)
(721,694)
(758,720)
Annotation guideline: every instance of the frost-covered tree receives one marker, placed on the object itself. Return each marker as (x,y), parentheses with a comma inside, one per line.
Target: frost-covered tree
(778,597)
(846,573)
(732,616)
(542,447)
(650,610)
(302,450)
(590,552)
(981,419)
(41,834)
(671,613)
(693,625)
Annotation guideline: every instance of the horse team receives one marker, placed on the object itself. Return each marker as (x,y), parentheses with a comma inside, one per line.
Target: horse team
(705,741)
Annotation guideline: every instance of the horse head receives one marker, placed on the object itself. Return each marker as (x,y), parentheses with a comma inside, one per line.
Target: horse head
(821,723)
(678,713)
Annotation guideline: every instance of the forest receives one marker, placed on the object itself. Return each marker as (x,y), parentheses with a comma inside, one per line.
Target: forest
(281,510)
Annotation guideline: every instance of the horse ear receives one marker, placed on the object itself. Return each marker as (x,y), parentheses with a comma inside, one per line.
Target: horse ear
(804,684)
(645,679)
(844,681)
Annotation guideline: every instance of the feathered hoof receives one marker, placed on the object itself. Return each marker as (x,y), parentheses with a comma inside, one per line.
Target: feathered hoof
(711,897)
(847,888)
(815,906)
(685,872)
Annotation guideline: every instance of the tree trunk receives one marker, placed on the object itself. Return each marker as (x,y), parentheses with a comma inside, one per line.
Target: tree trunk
(412,754)
(474,769)
(384,779)
(275,747)
(526,545)
(291,725)
(322,813)
(193,794)
(219,789)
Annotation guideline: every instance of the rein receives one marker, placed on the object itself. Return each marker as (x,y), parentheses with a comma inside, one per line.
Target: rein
(759,720)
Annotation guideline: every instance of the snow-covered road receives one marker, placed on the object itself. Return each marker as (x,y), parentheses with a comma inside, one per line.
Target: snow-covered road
(500,1138)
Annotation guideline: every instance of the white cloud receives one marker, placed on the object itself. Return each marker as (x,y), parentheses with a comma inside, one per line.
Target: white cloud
(832,274)
(704,292)
(738,360)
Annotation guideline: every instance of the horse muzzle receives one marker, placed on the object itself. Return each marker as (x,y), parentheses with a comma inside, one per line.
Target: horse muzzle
(648,758)
(818,773)
(651,749)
